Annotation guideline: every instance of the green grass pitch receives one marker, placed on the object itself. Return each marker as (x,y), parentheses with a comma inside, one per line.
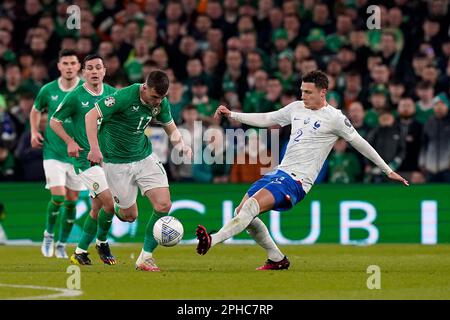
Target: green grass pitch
(228,272)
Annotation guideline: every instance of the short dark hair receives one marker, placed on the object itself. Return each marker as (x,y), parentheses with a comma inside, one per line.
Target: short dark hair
(424,84)
(67,53)
(158,80)
(90,57)
(319,78)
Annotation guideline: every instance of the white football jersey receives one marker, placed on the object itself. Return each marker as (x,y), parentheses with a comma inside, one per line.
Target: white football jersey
(313,135)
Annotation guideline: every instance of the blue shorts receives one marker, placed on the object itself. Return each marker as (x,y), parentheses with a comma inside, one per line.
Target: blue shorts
(286,191)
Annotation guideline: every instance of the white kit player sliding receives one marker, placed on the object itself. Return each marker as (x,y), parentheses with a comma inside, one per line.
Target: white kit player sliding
(316,126)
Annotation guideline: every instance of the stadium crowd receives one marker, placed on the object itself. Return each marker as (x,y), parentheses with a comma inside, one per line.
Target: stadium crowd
(392,83)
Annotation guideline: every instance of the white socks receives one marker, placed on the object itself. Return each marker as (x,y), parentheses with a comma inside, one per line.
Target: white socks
(259,232)
(79,251)
(249,211)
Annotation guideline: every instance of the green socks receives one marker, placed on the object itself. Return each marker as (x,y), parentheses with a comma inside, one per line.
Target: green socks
(89,231)
(149,241)
(52,212)
(104,223)
(67,220)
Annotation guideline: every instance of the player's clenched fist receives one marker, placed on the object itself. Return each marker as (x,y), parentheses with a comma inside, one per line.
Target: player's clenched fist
(222,110)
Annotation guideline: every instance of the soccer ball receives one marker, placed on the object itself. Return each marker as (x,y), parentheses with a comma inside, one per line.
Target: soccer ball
(168,231)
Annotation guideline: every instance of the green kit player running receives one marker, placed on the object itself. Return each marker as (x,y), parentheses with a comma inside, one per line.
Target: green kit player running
(127,152)
(61,179)
(74,107)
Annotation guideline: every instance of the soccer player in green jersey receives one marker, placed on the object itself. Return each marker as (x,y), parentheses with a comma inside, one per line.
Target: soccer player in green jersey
(75,106)
(61,179)
(127,152)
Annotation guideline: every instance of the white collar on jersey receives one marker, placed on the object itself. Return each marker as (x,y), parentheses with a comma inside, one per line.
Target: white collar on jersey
(71,88)
(93,93)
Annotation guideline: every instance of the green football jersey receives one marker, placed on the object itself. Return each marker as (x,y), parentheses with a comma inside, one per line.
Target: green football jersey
(124,119)
(48,99)
(75,106)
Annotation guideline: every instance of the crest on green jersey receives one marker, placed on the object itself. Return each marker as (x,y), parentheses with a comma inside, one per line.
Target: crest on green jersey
(156,111)
(110,101)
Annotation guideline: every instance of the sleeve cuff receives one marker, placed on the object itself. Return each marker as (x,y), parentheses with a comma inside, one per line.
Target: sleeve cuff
(98,110)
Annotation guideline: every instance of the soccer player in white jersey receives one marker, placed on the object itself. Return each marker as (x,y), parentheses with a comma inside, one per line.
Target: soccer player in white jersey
(315,128)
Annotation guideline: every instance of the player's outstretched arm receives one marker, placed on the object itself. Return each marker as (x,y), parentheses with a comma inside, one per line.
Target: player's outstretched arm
(253,119)
(91,118)
(370,153)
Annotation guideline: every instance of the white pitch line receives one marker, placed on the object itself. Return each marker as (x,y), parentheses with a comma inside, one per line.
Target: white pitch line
(62,292)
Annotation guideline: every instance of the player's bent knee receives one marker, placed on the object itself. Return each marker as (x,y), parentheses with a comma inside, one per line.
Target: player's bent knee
(163,206)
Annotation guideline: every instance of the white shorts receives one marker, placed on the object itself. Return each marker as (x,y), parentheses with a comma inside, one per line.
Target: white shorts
(61,174)
(94,179)
(124,179)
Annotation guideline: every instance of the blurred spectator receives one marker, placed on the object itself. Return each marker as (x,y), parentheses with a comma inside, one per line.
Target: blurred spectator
(273,97)
(346,57)
(213,167)
(426,101)
(235,73)
(319,51)
(358,42)
(211,71)
(159,55)
(378,98)
(343,166)
(393,152)
(333,96)
(194,70)
(177,100)
(280,43)
(380,74)
(183,170)
(321,19)
(254,63)
(115,74)
(214,10)
(215,41)
(21,112)
(8,132)
(13,85)
(7,164)
(29,159)
(255,99)
(435,149)
(411,134)
(118,40)
(200,99)
(291,23)
(136,59)
(396,91)
(285,73)
(342,35)
(353,90)
(248,165)
(356,115)
(37,78)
